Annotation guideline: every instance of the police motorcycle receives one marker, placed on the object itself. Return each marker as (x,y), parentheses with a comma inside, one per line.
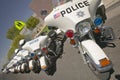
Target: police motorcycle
(23,64)
(34,47)
(45,49)
(12,65)
(79,19)
(19,62)
(8,70)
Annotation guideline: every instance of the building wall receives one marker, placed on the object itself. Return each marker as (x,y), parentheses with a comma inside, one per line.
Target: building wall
(38,5)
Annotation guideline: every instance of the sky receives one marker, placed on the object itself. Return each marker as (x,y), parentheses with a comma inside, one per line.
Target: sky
(11,10)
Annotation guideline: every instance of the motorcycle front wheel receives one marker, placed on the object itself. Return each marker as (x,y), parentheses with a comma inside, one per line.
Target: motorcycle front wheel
(27,70)
(36,67)
(101,75)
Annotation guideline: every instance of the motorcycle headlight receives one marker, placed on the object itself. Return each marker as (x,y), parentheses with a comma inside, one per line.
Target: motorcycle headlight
(83,28)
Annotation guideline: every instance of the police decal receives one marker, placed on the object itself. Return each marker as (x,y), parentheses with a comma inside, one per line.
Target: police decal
(80,14)
(34,41)
(74,8)
(56,15)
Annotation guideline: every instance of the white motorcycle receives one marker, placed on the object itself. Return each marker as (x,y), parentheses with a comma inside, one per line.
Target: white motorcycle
(34,47)
(78,19)
(23,65)
(11,66)
(44,50)
(19,63)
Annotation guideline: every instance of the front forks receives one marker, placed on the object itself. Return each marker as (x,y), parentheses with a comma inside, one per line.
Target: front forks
(82,52)
(77,43)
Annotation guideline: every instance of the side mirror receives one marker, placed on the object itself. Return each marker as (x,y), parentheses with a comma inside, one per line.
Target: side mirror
(93,8)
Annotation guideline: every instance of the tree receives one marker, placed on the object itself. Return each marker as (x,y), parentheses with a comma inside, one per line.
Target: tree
(15,44)
(46,30)
(32,22)
(12,32)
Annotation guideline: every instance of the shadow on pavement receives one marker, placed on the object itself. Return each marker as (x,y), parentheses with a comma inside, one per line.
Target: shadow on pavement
(106,44)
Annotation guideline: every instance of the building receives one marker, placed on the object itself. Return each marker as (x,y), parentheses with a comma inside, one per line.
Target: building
(26,32)
(30,34)
(41,6)
(38,28)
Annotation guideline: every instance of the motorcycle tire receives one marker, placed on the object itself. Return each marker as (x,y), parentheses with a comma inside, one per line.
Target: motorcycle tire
(51,70)
(15,72)
(27,70)
(21,71)
(37,70)
(48,72)
(36,67)
(100,75)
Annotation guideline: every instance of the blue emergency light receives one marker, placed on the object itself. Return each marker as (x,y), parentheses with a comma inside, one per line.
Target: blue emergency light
(98,21)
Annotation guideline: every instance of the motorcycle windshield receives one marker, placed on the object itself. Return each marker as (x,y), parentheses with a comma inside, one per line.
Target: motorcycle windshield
(56,3)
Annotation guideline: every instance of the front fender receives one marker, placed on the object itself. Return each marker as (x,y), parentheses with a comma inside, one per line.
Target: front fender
(94,51)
